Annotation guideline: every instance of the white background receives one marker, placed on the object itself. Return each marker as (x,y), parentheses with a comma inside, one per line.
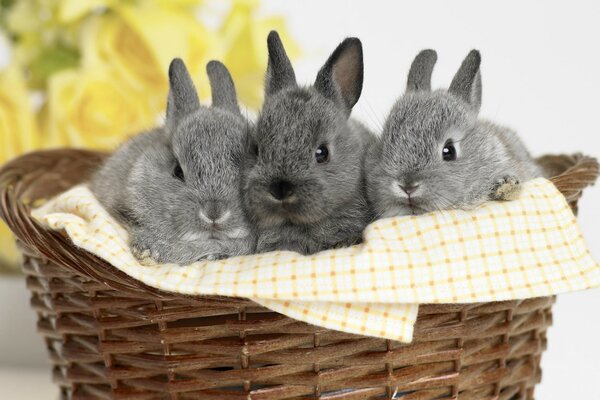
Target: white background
(541,76)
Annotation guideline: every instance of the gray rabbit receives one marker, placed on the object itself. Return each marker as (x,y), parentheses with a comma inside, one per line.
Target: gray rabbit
(434,152)
(177,188)
(302,178)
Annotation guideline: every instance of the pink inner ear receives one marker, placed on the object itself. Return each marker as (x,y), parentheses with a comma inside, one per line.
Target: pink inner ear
(345,73)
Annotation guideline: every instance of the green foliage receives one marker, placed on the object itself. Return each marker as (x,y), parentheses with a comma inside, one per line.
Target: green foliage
(51,60)
(5,4)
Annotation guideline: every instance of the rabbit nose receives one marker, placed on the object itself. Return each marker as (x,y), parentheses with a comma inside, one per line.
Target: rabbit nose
(409,188)
(214,213)
(281,189)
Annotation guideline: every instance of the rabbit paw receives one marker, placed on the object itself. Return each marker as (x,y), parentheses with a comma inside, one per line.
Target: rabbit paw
(506,188)
(145,257)
(213,257)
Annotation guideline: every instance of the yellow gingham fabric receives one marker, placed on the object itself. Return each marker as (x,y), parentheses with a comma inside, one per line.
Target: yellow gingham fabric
(503,250)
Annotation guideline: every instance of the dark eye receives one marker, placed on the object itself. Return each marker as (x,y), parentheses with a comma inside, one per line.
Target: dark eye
(178,173)
(322,154)
(449,151)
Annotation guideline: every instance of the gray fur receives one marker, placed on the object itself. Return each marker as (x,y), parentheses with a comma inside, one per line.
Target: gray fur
(341,78)
(222,86)
(409,152)
(280,73)
(169,219)
(467,81)
(183,99)
(419,76)
(328,206)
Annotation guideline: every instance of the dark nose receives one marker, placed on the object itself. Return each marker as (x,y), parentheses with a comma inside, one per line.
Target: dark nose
(410,188)
(281,189)
(213,210)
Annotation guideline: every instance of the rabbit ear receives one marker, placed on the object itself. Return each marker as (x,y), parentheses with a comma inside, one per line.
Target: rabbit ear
(280,73)
(222,87)
(419,77)
(341,78)
(467,81)
(183,99)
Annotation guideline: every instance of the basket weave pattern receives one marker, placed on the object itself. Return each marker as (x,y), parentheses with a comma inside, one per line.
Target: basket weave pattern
(111,337)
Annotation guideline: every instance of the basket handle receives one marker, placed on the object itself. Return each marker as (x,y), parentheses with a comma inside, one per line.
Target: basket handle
(571,174)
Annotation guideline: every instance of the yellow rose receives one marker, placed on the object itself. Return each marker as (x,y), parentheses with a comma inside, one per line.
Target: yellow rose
(19,17)
(18,129)
(140,42)
(179,3)
(94,108)
(71,10)
(18,134)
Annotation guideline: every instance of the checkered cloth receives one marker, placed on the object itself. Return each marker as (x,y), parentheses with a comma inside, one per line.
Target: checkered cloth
(503,250)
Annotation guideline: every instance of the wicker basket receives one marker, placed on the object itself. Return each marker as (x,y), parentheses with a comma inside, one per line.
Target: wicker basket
(111,337)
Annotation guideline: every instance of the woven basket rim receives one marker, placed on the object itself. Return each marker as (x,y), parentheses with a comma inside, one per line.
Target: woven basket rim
(44,174)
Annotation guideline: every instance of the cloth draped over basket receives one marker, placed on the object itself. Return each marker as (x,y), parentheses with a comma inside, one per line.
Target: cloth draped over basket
(521,249)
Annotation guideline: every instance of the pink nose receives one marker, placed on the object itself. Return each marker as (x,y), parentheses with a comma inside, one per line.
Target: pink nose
(409,189)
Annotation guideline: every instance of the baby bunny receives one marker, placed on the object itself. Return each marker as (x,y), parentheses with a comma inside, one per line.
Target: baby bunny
(434,152)
(177,188)
(302,178)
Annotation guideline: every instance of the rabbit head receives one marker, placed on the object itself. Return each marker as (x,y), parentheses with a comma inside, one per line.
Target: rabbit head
(188,180)
(434,153)
(304,161)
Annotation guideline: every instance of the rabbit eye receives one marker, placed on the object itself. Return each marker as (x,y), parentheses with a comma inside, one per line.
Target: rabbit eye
(322,154)
(449,151)
(178,173)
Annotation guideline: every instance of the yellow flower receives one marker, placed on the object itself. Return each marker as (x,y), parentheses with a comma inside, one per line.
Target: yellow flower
(71,10)
(18,134)
(18,129)
(24,16)
(179,3)
(140,42)
(94,108)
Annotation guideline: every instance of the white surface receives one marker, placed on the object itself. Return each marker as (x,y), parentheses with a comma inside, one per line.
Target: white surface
(541,75)
(20,345)
(27,384)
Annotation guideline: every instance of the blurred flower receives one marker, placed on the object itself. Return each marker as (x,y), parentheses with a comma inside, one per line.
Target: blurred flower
(141,41)
(180,3)
(24,16)
(18,134)
(43,44)
(71,10)
(93,108)
(18,129)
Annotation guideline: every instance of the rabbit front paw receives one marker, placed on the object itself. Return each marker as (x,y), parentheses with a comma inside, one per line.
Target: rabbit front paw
(506,188)
(145,256)
(144,250)
(213,257)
